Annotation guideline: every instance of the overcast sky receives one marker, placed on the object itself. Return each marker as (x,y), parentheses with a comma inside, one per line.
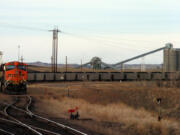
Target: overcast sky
(113,30)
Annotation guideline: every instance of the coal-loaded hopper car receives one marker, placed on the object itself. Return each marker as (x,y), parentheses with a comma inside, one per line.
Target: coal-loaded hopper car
(13,78)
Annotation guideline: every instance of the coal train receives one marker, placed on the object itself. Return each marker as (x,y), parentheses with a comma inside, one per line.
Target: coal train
(13,78)
(101,76)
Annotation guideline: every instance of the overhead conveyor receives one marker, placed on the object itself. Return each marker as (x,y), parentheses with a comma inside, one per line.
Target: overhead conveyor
(96,62)
(168,46)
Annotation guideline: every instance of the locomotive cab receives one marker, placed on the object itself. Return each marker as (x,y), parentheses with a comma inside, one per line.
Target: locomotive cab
(14,78)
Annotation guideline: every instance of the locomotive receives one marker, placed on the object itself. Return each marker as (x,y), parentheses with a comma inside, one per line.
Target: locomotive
(13,78)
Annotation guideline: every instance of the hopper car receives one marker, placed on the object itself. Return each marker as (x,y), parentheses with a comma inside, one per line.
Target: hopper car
(102,76)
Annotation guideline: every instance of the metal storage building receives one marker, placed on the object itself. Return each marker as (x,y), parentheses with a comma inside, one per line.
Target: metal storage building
(171,59)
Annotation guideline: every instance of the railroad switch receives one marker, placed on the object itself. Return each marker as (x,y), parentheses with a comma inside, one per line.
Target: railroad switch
(74,114)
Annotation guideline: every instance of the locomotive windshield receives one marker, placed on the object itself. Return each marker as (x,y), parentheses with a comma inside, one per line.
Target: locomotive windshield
(10,67)
(22,67)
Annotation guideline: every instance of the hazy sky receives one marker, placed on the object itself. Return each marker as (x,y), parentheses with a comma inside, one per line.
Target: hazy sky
(114,30)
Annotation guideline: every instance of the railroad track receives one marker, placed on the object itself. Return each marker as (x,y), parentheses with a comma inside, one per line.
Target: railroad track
(11,126)
(14,120)
(2,131)
(19,113)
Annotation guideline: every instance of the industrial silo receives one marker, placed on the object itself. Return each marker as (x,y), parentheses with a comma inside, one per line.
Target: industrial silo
(172,60)
(178,59)
(166,60)
(170,64)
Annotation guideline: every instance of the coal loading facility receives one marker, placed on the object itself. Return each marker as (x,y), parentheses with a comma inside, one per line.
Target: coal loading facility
(171,59)
(171,64)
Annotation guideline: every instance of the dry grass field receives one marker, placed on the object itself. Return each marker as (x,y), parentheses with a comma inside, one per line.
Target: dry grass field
(112,108)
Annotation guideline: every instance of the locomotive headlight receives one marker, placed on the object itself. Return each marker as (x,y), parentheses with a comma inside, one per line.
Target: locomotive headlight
(23,81)
(8,82)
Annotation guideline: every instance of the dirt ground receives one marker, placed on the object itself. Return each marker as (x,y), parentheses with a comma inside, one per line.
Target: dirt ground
(112,108)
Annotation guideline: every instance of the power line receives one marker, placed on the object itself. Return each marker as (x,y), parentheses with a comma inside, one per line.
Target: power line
(7,25)
(125,39)
(120,40)
(103,41)
(107,43)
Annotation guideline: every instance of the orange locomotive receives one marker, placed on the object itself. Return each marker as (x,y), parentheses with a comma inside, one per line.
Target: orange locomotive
(14,77)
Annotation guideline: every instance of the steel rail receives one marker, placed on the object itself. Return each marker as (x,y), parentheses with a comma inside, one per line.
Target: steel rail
(45,130)
(41,129)
(21,123)
(6,132)
(51,121)
(28,112)
(58,124)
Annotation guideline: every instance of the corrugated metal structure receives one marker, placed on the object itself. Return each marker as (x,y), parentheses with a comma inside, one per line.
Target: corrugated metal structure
(177,59)
(171,59)
(96,63)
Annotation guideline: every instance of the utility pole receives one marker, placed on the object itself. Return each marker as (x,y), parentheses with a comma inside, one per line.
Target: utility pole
(1,54)
(54,57)
(66,63)
(122,67)
(143,68)
(22,59)
(81,65)
(18,52)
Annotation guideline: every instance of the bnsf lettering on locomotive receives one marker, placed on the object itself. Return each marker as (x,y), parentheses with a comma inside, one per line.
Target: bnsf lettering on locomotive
(12,75)
(15,75)
(9,75)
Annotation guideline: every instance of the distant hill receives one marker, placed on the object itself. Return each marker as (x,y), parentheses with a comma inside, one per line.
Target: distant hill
(126,66)
(147,66)
(43,64)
